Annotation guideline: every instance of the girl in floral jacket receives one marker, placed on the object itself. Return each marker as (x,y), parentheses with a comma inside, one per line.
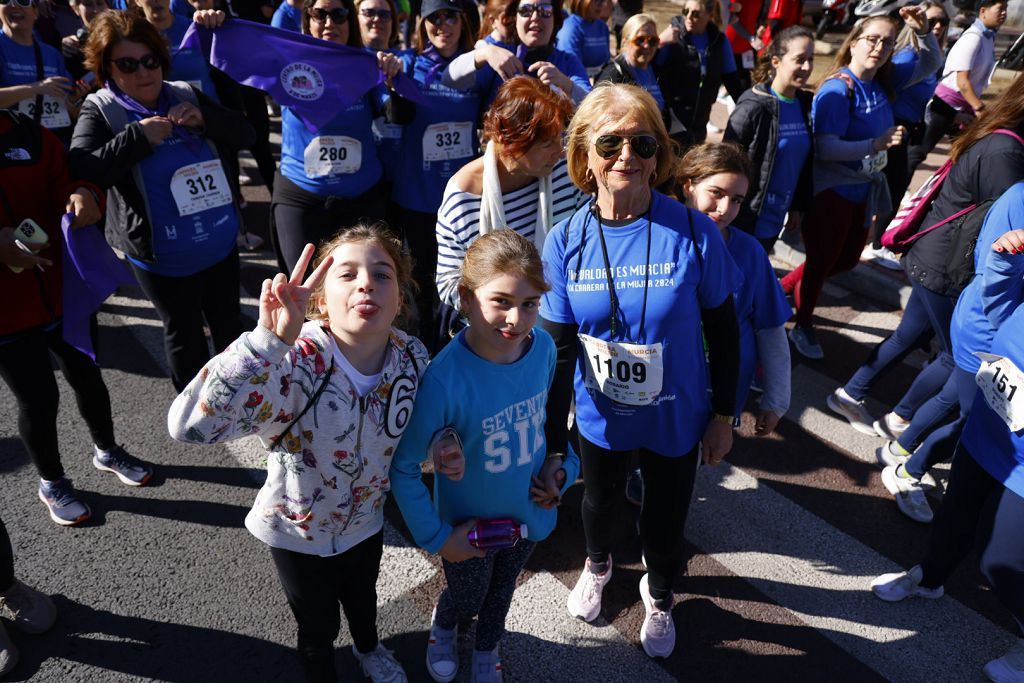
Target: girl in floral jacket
(329,400)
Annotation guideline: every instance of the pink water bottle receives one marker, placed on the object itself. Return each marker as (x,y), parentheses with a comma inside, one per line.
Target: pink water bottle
(496,534)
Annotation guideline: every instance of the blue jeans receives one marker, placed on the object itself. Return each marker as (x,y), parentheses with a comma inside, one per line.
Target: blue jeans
(941,443)
(926,313)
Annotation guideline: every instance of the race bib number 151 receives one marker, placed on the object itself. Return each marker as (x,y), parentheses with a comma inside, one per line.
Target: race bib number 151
(1002,384)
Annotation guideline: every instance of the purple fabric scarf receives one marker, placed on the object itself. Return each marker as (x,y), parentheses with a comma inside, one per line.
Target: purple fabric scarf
(192,141)
(314,78)
(92,272)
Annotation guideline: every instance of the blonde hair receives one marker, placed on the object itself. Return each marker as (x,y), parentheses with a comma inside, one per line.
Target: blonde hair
(609,103)
(502,252)
(377,234)
(844,53)
(635,23)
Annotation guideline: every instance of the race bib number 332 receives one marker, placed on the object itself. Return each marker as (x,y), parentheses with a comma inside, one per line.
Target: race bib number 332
(444,141)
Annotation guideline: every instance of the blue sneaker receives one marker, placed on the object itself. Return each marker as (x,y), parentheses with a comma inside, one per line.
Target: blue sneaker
(60,499)
(129,469)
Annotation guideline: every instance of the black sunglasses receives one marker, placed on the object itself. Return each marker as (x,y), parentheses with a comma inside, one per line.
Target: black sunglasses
(444,16)
(129,65)
(527,9)
(644,146)
(693,13)
(370,13)
(338,15)
(19,3)
(938,21)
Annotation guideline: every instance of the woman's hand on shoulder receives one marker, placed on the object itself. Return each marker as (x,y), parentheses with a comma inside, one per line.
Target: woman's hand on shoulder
(209,18)
(458,548)
(283,300)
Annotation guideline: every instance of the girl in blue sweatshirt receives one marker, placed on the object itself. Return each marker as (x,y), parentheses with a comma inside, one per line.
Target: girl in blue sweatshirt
(490,385)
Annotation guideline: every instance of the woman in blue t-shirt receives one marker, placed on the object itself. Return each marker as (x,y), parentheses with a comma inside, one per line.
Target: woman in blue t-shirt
(170,206)
(585,34)
(772,123)
(187,65)
(330,177)
(983,509)
(633,63)
(630,275)
(498,25)
(33,78)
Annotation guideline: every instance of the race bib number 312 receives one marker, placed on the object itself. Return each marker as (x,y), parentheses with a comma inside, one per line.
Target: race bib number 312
(1002,384)
(626,373)
(200,186)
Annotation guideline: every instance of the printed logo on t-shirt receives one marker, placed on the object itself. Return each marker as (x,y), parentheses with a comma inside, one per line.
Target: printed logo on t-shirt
(517,430)
(626,277)
(302,81)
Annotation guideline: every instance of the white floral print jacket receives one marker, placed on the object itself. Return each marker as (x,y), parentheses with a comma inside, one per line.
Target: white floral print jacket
(327,474)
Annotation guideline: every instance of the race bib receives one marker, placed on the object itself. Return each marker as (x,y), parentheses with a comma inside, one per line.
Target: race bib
(445,141)
(747,59)
(55,112)
(626,373)
(1002,384)
(874,163)
(332,155)
(385,131)
(200,186)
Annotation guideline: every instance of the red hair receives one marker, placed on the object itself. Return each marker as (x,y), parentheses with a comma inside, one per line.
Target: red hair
(526,112)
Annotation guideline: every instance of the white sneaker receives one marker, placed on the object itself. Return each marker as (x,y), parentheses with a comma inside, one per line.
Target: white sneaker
(902,585)
(891,454)
(380,666)
(806,342)
(1009,668)
(909,493)
(8,652)
(658,634)
(886,258)
(854,411)
(585,599)
(890,426)
(485,667)
(442,651)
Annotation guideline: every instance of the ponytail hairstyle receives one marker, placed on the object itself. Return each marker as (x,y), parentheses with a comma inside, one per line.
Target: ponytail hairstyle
(1006,112)
(843,55)
(764,72)
(711,158)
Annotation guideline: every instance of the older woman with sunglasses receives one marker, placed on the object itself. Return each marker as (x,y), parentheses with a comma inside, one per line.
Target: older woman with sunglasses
(630,275)
(536,23)
(33,78)
(633,64)
(170,207)
(585,34)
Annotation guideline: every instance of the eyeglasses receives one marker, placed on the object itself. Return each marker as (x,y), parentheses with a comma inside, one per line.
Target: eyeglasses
(338,15)
(129,65)
(874,41)
(693,13)
(938,21)
(444,16)
(370,13)
(644,146)
(19,3)
(545,10)
(644,42)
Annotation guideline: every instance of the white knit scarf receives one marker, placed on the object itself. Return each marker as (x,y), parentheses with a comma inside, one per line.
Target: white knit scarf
(492,208)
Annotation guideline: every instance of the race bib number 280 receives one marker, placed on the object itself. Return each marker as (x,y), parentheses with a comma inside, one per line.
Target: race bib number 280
(626,373)
(1002,384)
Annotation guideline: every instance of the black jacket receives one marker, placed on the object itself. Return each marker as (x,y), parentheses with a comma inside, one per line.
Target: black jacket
(127,226)
(985,171)
(690,94)
(754,124)
(618,70)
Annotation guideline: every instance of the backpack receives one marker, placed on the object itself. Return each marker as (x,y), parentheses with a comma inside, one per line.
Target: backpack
(905,227)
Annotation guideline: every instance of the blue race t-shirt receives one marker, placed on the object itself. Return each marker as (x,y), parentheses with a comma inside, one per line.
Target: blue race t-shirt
(689,269)
(861,114)
(287,17)
(502,435)
(182,8)
(183,245)
(995,292)
(700,41)
(341,158)
(587,40)
(441,138)
(794,147)
(18,67)
(986,437)
(645,79)
(759,301)
(188,65)
(910,102)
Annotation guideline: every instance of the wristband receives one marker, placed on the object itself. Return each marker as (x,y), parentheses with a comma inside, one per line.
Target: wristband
(554,455)
(725,419)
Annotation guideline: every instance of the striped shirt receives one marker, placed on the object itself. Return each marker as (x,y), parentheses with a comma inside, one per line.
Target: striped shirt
(458,222)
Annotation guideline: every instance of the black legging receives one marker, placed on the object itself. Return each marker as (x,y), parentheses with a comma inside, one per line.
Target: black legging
(668,485)
(940,120)
(419,230)
(300,217)
(184,303)
(25,368)
(897,177)
(6,560)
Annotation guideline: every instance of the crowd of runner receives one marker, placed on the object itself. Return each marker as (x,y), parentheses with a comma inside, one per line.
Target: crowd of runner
(509,252)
